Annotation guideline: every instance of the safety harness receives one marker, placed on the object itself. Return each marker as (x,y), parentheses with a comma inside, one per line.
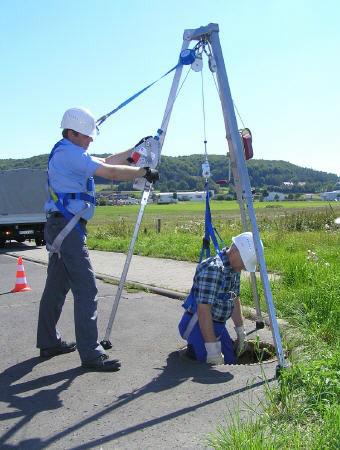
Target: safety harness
(210,233)
(61,200)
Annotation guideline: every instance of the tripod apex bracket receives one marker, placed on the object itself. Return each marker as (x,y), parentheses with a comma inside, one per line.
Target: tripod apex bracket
(196,34)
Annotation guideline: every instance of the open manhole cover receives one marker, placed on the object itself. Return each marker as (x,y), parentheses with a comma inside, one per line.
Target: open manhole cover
(256,353)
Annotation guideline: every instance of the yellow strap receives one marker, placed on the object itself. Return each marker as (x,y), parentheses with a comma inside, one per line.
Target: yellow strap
(53,194)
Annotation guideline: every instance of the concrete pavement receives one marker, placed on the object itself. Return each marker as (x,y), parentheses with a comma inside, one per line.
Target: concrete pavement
(155,401)
(162,273)
(165,276)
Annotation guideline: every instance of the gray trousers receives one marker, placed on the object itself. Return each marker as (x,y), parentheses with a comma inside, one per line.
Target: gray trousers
(73,270)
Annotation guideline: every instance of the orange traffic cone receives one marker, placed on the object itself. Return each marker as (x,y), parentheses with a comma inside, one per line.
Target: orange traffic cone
(21,282)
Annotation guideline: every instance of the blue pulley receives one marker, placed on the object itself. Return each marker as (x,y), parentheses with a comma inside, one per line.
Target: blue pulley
(187,56)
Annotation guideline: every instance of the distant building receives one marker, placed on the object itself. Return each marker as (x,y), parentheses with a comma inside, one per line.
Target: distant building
(165,198)
(274,196)
(174,197)
(330,196)
(196,196)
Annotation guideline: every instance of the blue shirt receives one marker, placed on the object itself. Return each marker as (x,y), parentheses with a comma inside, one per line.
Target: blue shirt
(69,169)
(217,284)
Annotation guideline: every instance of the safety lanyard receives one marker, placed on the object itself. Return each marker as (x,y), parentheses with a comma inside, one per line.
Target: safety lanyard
(209,231)
(186,58)
(133,97)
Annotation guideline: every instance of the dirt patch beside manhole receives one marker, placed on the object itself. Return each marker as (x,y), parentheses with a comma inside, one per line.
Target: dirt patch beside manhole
(257,352)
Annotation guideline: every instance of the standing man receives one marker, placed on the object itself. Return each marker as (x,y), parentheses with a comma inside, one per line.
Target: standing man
(213,299)
(70,206)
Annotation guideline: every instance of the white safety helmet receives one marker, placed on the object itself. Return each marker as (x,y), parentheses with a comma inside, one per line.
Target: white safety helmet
(81,120)
(245,245)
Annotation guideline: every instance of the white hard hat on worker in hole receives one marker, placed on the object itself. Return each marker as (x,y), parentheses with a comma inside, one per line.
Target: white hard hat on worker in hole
(245,245)
(81,120)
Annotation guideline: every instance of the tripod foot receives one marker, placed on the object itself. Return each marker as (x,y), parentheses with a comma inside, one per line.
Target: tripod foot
(106,344)
(279,370)
(259,324)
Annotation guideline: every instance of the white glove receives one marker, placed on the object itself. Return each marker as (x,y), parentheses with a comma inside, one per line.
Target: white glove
(214,353)
(240,344)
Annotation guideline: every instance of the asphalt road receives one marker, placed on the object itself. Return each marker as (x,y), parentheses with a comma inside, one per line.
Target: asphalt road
(155,401)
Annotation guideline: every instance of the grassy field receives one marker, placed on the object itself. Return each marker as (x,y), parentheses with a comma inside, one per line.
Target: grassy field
(302,244)
(186,209)
(182,228)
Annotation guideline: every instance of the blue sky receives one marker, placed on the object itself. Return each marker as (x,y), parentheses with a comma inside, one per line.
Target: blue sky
(282,61)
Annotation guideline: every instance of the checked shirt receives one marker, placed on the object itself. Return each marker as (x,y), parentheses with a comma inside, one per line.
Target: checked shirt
(217,284)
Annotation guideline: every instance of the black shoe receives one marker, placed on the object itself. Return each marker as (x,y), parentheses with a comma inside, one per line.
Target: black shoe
(102,364)
(64,347)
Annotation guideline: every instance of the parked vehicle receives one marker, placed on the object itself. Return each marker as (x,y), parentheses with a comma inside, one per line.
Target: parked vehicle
(23,193)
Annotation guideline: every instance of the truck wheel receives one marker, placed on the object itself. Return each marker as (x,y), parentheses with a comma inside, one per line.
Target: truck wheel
(39,242)
(2,243)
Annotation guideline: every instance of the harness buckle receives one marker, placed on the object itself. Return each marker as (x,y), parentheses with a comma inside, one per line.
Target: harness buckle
(206,243)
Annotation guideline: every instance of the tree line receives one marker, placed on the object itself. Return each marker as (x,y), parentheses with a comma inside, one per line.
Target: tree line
(184,173)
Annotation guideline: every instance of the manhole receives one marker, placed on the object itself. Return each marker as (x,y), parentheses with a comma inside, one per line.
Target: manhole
(256,352)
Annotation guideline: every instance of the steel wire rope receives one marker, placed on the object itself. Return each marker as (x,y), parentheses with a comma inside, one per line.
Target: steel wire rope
(204,116)
(210,55)
(236,109)
(177,93)
(206,168)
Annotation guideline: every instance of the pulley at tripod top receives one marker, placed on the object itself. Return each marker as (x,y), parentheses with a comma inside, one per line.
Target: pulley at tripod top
(187,56)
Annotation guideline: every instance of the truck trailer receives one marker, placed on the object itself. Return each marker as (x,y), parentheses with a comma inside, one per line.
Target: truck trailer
(23,193)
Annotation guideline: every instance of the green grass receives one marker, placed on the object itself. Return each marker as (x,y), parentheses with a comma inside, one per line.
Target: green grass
(187,209)
(182,228)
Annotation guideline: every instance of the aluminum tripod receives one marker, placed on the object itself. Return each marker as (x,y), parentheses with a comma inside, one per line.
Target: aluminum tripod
(145,196)
(245,226)
(240,174)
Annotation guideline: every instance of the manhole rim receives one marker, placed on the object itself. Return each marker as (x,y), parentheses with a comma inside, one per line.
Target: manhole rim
(258,363)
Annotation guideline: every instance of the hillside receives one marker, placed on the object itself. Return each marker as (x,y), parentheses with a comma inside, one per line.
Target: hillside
(184,173)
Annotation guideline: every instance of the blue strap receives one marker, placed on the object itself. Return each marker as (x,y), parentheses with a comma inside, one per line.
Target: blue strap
(77,196)
(61,204)
(58,144)
(126,102)
(190,302)
(209,232)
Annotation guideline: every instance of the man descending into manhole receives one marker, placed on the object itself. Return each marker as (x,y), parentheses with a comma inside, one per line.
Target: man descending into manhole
(70,205)
(213,299)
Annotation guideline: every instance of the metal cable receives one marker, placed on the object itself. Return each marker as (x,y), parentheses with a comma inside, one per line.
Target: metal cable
(204,116)
(218,92)
(177,93)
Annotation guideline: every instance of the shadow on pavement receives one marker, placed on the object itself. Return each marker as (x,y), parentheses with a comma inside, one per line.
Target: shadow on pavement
(28,406)
(173,373)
